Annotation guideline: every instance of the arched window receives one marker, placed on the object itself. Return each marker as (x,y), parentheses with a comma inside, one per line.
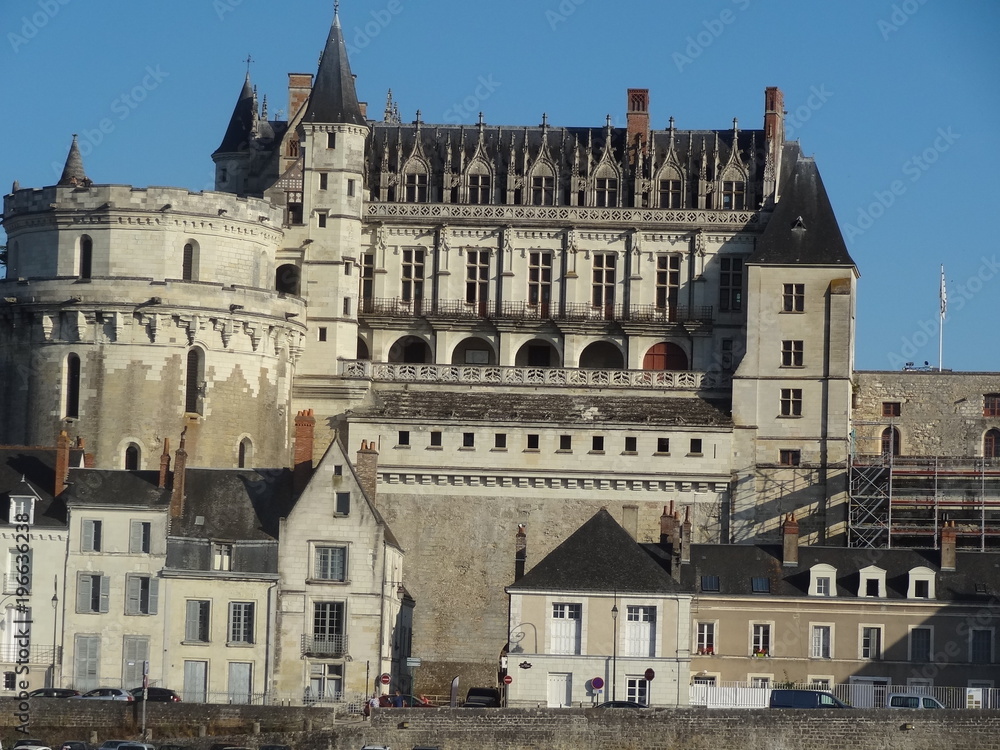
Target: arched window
(189,262)
(287,279)
(479,183)
(416,183)
(86,257)
(245,460)
(670,189)
(991,444)
(606,188)
(543,186)
(71,387)
(665,356)
(133,454)
(194,388)
(890,441)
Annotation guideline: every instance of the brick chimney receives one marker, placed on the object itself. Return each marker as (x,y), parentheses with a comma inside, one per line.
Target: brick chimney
(302,463)
(790,542)
(774,139)
(366,468)
(949,542)
(180,467)
(62,462)
(630,519)
(637,118)
(686,537)
(164,464)
(520,552)
(299,87)
(667,524)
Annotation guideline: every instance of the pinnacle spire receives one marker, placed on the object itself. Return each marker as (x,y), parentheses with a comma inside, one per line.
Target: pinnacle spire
(73,173)
(333,98)
(241,124)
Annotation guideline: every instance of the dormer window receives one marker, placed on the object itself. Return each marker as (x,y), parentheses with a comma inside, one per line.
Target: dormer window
(822,580)
(921,584)
(872,582)
(22,509)
(733,195)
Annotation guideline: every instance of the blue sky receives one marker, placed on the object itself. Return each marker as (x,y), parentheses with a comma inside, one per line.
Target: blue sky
(898,101)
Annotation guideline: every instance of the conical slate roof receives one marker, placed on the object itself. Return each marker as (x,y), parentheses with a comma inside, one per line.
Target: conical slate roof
(73,174)
(333,98)
(241,123)
(803,229)
(598,556)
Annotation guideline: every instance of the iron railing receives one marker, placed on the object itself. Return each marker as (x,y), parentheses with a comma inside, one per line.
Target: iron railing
(324,645)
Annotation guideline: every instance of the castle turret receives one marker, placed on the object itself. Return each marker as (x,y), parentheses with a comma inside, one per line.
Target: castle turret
(232,157)
(73,174)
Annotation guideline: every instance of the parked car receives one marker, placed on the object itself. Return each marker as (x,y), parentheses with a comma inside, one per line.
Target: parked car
(620,704)
(175,747)
(266,747)
(107,694)
(911,700)
(76,745)
(53,692)
(26,743)
(158,694)
(409,701)
(113,744)
(804,699)
(485,697)
(136,746)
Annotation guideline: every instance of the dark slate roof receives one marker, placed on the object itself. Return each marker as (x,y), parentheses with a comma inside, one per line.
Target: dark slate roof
(116,487)
(598,556)
(333,98)
(240,129)
(803,229)
(236,504)
(36,467)
(500,406)
(735,565)
(73,173)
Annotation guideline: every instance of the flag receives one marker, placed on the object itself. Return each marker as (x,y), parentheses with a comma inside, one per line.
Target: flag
(944,295)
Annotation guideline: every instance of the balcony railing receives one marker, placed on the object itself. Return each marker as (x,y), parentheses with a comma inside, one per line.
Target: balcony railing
(532,376)
(38,654)
(519,310)
(324,645)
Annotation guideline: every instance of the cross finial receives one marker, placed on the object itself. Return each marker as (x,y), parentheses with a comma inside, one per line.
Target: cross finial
(336,7)
(248,61)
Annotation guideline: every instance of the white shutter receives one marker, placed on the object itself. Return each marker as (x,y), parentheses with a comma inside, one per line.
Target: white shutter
(88,536)
(191,618)
(154,595)
(135,537)
(105,592)
(84,592)
(133,594)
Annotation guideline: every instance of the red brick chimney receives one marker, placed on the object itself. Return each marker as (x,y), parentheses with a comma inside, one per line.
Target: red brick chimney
(667,524)
(62,462)
(949,542)
(299,86)
(637,119)
(164,464)
(520,552)
(305,428)
(180,467)
(366,467)
(790,542)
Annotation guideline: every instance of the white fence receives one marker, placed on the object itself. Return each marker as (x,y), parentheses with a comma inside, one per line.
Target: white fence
(855,694)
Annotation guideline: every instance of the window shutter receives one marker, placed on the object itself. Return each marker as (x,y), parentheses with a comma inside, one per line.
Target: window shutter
(84,592)
(154,595)
(135,537)
(105,592)
(97,535)
(191,621)
(88,536)
(231,635)
(133,594)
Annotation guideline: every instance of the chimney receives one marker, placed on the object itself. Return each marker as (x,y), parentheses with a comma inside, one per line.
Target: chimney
(180,466)
(790,542)
(686,537)
(89,461)
(637,118)
(299,87)
(164,464)
(366,467)
(302,462)
(520,552)
(667,524)
(630,520)
(774,139)
(949,539)
(62,462)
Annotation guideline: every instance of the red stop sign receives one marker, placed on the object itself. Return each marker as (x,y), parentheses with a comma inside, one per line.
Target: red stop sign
(507,679)
(649,674)
(385,679)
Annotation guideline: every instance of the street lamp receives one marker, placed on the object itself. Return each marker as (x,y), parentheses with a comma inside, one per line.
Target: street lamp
(55,619)
(614,652)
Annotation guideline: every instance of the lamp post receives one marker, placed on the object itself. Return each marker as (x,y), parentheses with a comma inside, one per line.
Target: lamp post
(55,620)
(614,653)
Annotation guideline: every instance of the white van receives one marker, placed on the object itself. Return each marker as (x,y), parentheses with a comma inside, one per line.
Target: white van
(911,700)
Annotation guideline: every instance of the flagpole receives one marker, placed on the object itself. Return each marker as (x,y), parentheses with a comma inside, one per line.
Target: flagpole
(944,309)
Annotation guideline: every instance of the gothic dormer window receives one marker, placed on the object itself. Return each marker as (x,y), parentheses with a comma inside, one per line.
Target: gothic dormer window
(606,192)
(415,184)
(733,195)
(543,187)
(479,187)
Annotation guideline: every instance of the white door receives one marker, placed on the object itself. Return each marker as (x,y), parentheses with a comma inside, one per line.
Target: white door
(240,681)
(195,681)
(560,689)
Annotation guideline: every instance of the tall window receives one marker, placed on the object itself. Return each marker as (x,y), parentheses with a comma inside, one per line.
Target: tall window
(668,282)
(222,556)
(731,285)
(477,278)
(819,647)
(86,257)
(342,503)
(479,188)
(132,456)
(604,280)
(187,263)
(565,624)
(791,353)
(19,565)
(791,402)
(330,564)
(244,457)
(706,638)
(793,297)
(871,643)
(670,194)
(193,384)
(890,441)
(991,405)
(135,652)
(637,690)
(640,631)
(91,532)
(241,622)
(543,191)
(733,196)
(991,444)
(86,661)
(540,280)
(139,537)
(196,620)
(416,188)
(71,387)
(328,626)
(981,646)
(761,639)
(607,193)
(93,590)
(413,275)
(368,276)
(326,682)
(141,595)
(920,645)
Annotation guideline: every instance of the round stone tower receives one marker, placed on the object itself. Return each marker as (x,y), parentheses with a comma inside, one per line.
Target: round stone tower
(129,314)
